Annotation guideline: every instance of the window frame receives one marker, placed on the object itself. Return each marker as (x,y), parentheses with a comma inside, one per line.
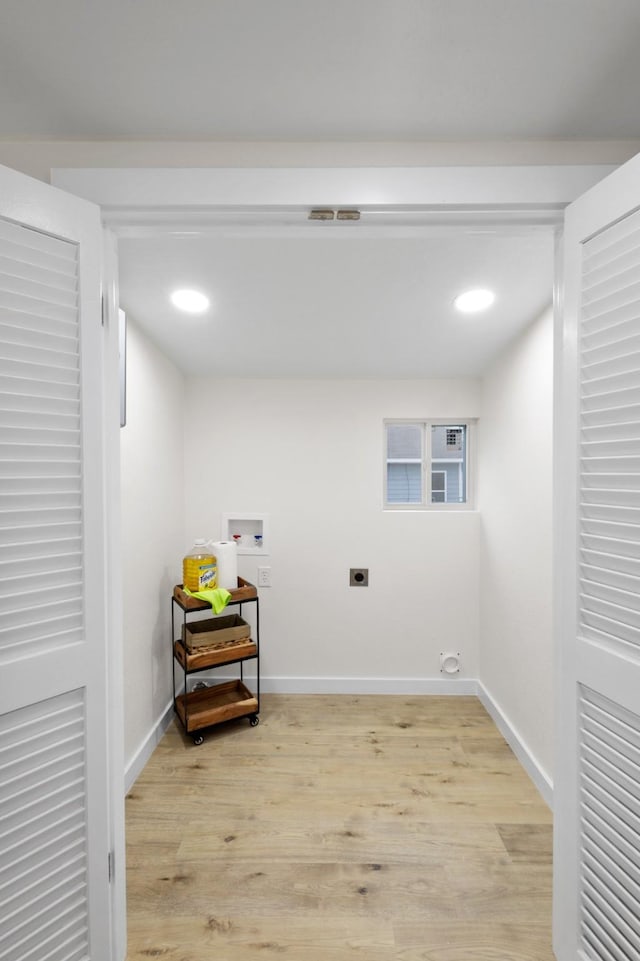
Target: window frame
(426,423)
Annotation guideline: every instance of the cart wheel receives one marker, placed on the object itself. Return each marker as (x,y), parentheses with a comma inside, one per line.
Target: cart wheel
(254,720)
(198,740)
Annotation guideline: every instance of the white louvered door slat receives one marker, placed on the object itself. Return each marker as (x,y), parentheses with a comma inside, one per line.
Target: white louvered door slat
(54,827)
(41,534)
(610,614)
(597,782)
(610,809)
(607,381)
(43,794)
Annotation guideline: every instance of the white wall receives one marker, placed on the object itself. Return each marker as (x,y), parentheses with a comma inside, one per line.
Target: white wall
(152,475)
(515,498)
(310,454)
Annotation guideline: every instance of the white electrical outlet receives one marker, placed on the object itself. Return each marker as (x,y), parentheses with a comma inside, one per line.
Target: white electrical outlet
(264,577)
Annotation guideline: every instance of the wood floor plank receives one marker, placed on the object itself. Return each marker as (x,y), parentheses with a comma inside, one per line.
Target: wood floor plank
(503,892)
(532,843)
(353,839)
(343,827)
(328,889)
(223,938)
(437,941)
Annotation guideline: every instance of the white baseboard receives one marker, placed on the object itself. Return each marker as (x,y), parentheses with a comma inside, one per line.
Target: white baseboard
(361,685)
(134,767)
(368,685)
(519,747)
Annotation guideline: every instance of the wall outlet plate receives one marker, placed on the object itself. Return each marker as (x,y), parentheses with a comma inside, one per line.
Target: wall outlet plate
(358,577)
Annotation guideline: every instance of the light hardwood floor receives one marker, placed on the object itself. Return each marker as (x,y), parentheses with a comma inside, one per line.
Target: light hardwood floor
(372,828)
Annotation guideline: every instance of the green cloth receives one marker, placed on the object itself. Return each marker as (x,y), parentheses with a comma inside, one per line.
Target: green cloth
(218,597)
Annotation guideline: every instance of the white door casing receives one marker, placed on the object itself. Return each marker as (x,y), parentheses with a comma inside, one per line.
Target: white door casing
(151,200)
(54,784)
(597,554)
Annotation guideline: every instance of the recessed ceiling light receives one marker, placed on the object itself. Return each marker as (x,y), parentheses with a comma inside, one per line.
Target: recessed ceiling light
(474,300)
(191,301)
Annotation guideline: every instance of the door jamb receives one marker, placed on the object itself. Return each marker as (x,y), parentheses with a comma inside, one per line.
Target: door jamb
(153,200)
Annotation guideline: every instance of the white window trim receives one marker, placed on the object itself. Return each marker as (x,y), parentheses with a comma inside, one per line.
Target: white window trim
(427,422)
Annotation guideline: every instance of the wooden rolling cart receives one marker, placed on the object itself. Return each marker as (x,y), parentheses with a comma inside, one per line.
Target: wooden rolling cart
(206,706)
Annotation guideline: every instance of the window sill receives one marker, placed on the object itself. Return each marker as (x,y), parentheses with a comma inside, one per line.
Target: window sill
(429,509)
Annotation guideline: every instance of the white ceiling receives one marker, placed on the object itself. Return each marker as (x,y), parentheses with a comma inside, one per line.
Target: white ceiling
(337,302)
(320,69)
(326,304)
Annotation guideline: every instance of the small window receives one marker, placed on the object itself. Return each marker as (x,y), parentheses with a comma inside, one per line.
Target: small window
(404,463)
(426,463)
(449,456)
(438,487)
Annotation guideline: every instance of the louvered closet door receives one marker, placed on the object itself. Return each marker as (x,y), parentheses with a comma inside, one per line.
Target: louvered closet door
(597,780)
(54,830)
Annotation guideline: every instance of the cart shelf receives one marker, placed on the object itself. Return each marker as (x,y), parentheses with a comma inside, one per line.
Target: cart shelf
(210,657)
(245,591)
(211,705)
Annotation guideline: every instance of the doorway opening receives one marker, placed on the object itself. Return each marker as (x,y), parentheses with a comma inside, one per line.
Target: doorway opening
(311,321)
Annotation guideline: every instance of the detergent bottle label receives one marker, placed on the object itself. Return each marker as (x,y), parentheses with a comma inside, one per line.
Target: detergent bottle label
(200,573)
(207,577)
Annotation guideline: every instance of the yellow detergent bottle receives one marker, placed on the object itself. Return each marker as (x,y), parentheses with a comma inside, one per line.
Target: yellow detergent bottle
(199,568)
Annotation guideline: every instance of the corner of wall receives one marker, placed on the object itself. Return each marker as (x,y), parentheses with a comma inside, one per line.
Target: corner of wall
(139,758)
(152,496)
(515,502)
(518,745)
